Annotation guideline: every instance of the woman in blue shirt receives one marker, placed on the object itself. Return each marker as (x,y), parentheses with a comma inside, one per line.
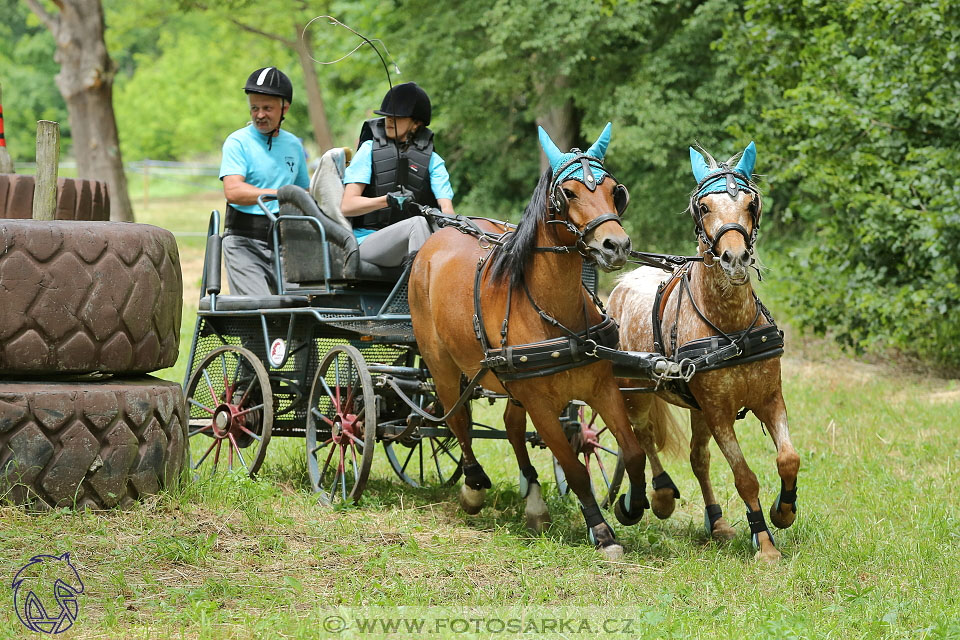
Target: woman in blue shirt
(379,178)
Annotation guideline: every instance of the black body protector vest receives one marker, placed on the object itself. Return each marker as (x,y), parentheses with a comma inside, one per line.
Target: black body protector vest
(384,170)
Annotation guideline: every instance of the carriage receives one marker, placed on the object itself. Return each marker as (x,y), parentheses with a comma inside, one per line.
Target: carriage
(332,359)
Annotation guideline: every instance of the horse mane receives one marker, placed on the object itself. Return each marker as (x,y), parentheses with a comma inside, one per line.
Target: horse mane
(509,261)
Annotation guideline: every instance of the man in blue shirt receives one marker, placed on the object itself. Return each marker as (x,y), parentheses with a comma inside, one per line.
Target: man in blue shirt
(395,162)
(258,159)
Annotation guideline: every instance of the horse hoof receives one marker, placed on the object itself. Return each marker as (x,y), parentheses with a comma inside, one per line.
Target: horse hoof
(537,516)
(622,512)
(770,555)
(612,552)
(538,523)
(782,515)
(471,500)
(662,503)
(722,531)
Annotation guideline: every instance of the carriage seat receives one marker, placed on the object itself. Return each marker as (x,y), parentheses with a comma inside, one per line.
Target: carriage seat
(253,303)
(301,249)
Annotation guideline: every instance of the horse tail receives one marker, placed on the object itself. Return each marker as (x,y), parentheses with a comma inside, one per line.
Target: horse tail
(668,433)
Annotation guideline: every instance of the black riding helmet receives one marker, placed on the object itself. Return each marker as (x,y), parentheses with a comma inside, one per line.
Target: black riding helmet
(406,100)
(270,81)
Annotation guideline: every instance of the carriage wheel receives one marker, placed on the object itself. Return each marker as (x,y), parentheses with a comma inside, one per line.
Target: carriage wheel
(341,426)
(597,448)
(231,412)
(426,460)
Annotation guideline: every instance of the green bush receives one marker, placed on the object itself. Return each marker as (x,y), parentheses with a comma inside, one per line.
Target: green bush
(863,105)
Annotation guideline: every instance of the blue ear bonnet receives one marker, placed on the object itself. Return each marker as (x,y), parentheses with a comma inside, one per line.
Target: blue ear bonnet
(742,172)
(574,170)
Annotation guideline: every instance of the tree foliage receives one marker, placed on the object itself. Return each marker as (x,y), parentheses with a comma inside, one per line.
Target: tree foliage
(863,106)
(646,65)
(27,70)
(854,106)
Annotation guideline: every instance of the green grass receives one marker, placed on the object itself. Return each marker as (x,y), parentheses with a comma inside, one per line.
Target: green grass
(874,553)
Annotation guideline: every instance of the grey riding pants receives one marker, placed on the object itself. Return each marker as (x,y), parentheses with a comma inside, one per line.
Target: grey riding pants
(249,265)
(389,246)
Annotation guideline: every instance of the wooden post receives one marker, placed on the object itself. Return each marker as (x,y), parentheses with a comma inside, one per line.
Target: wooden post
(6,164)
(48,162)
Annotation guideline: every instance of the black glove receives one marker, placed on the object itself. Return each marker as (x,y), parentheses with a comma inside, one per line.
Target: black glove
(396,199)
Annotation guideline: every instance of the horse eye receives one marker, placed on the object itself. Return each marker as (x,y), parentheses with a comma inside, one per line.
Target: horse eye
(704,210)
(570,194)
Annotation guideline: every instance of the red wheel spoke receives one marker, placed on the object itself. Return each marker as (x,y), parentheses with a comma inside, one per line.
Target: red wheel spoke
(313,451)
(213,394)
(216,457)
(356,439)
(326,464)
(246,411)
(250,433)
(239,455)
(336,379)
(204,456)
(200,406)
(200,430)
(356,468)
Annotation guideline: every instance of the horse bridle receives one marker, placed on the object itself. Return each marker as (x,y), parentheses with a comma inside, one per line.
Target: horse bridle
(560,205)
(735,183)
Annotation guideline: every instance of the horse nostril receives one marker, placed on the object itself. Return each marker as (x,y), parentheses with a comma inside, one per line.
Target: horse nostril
(745,258)
(726,258)
(616,245)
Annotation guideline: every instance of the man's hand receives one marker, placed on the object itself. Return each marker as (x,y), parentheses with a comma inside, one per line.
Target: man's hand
(396,199)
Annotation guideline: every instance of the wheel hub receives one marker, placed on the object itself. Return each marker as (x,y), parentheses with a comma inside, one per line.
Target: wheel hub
(589,441)
(226,421)
(344,425)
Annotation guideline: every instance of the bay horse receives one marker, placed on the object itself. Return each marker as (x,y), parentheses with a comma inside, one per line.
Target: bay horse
(704,306)
(524,288)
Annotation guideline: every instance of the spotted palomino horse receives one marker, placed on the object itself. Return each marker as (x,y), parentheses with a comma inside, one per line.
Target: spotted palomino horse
(704,306)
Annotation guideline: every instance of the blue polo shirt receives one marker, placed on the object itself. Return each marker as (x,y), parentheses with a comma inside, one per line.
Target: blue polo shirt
(245,154)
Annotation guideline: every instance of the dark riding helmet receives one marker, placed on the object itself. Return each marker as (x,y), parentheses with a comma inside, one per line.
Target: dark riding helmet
(406,100)
(270,81)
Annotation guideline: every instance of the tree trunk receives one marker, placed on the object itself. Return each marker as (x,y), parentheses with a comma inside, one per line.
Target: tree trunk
(561,121)
(86,83)
(6,163)
(315,106)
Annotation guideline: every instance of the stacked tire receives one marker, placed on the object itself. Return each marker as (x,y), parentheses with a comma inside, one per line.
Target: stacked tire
(87,310)
(77,199)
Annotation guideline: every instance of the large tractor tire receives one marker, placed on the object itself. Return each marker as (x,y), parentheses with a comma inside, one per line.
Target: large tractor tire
(83,297)
(77,199)
(90,444)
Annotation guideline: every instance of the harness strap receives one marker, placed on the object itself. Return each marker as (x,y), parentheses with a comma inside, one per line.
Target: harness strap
(660,303)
